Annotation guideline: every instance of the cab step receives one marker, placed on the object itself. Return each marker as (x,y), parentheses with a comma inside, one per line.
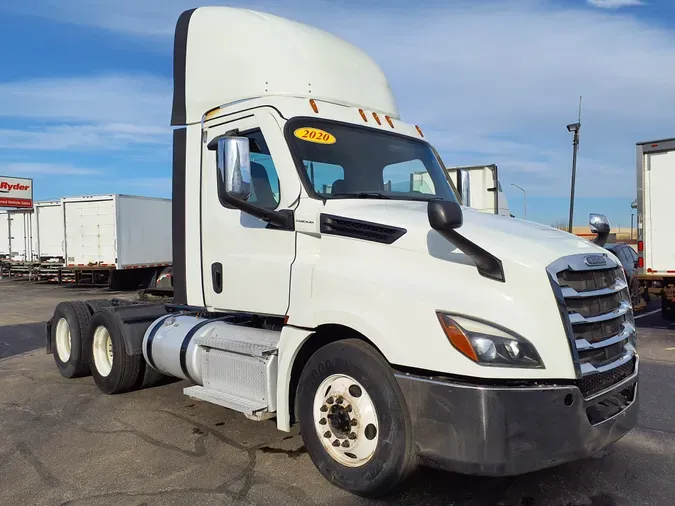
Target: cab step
(252,409)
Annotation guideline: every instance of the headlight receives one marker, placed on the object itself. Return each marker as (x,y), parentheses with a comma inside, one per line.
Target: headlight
(487,344)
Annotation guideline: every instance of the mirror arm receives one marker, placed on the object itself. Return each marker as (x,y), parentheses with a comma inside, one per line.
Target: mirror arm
(601,238)
(280,219)
(487,264)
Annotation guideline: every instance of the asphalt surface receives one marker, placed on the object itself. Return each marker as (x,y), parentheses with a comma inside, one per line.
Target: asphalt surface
(63,442)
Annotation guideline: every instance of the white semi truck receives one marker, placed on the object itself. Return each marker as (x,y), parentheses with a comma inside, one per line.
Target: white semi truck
(480,188)
(394,326)
(656,221)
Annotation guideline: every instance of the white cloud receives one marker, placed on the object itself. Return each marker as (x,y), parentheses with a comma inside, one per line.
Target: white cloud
(32,169)
(491,83)
(116,98)
(615,4)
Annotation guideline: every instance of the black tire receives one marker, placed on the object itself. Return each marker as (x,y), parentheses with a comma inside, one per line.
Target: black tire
(394,458)
(152,377)
(78,316)
(126,372)
(96,304)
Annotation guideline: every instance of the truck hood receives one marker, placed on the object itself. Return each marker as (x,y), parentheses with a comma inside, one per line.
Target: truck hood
(523,242)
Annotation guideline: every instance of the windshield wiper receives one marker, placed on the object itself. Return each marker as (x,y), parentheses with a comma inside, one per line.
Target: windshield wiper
(361,195)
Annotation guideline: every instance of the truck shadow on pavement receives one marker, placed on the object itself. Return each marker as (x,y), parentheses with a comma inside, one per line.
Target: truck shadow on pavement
(22,338)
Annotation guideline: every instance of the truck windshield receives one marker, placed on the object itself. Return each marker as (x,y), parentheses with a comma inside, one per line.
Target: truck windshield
(340,160)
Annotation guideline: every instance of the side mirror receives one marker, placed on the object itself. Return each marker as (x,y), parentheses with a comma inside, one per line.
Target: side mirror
(599,225)
(465,187)
(234,165)
(444,215)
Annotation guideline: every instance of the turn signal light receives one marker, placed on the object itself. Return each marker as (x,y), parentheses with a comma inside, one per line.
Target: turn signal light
(641,246)
(457,338)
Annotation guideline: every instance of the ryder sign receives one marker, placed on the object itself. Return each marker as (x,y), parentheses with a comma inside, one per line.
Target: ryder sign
(16,192)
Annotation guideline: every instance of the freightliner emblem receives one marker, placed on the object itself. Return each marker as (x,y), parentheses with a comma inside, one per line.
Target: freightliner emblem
(595,260)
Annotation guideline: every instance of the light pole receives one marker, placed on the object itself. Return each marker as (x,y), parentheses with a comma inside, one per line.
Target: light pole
(574,127)
(524,198)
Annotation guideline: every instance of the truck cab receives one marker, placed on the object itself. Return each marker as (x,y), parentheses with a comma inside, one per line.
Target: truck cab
(326,275)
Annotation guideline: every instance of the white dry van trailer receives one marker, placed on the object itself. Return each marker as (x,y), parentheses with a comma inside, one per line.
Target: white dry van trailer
(480,188)
(393,325)
(656,220)
(50,231)
(22,235)
(4,235)
(126,239)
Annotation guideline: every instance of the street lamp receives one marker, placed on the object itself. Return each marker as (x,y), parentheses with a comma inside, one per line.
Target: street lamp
(574,127)
(524,197)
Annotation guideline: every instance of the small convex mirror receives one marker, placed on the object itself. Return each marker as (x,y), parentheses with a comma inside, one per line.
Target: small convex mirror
(234,165)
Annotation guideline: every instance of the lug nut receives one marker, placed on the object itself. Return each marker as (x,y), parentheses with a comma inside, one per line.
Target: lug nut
(336,443)
(340,400)
(322,421)
(345,444)
(354,422)
(327,434)
(324,408)
(349,408)
(330,400)
(352,435)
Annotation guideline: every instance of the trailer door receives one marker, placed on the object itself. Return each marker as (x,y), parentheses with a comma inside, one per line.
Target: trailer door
(661,224)
(90,232)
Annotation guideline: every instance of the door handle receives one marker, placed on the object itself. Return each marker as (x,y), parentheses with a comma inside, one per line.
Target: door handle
(217,277)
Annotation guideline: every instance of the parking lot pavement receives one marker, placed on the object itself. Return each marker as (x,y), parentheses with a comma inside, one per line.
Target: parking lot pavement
(63,442)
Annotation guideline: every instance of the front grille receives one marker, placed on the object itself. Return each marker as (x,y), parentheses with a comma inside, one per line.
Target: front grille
(595,305)
(599,381)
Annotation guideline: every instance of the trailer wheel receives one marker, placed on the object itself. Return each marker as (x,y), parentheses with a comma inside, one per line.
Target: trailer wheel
(70,339)
(354,419)
(113,370)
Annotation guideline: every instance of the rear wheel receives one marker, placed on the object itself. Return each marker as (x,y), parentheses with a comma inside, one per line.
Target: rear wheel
(354,420)
(70,339)
(112,369)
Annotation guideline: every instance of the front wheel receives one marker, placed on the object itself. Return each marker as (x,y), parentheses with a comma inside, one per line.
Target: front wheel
(354,420)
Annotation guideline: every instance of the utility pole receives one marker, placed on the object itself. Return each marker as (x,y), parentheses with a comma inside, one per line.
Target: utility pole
(574,127)
(524,198)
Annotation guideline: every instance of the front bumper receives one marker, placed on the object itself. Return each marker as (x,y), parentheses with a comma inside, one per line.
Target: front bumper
(502,431)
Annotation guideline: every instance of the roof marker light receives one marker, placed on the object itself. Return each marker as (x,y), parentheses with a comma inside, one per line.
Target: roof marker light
(419,131)
(377,118)
(391,123)
(315,108)
(363,115)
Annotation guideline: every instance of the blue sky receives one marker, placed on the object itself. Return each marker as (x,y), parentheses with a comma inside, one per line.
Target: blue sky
(85,89)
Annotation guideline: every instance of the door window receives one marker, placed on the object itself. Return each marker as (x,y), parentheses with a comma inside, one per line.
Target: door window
(265,191)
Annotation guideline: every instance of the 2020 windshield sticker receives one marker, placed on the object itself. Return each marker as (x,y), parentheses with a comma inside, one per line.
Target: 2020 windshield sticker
(314,135)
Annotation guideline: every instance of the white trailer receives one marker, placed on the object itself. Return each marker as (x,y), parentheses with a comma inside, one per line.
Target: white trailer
(480,188)
(22,235)
(656,219)
(4,234)
(112,234)
(51,240)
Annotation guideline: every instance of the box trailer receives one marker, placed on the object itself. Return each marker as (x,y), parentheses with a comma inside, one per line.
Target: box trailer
(4,234)
(51,239)
(480,188)
(22,235)
(125,239)
(655,162)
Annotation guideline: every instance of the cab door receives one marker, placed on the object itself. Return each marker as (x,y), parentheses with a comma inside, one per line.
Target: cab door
(246,263)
